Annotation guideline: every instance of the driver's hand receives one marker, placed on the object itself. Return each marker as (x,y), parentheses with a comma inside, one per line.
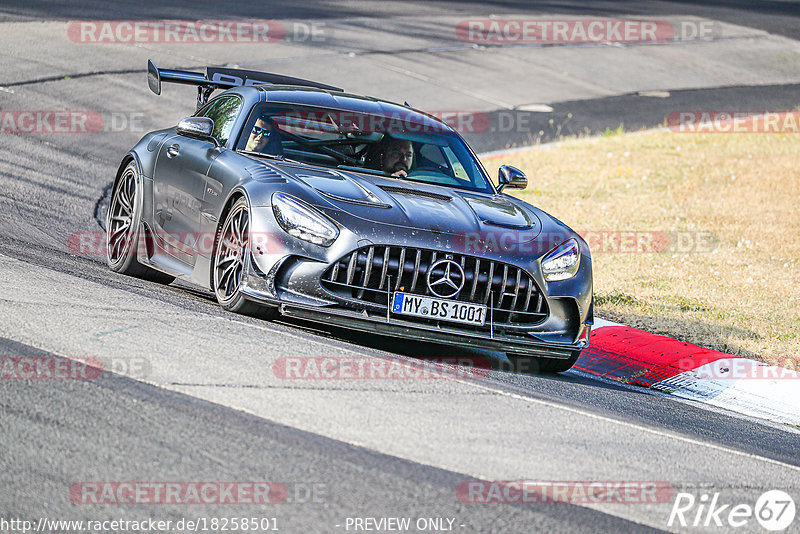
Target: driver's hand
(399,174)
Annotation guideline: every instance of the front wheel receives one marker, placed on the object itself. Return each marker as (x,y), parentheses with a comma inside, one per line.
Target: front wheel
(536,365)
(230,257)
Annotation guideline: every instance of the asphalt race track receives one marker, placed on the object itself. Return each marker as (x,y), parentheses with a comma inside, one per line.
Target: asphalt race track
(192,394)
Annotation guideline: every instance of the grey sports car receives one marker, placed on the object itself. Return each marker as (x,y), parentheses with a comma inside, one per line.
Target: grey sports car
(287,196)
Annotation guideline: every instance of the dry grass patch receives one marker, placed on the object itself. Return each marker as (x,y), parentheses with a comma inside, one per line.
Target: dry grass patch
(734,195)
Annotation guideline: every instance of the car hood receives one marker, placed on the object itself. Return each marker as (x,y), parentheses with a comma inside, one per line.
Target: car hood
(415,205)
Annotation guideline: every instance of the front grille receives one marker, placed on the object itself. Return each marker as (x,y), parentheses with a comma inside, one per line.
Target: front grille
(370,273)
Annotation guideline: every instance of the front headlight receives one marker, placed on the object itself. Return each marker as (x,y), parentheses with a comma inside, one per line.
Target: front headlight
(562,262)
(302,221)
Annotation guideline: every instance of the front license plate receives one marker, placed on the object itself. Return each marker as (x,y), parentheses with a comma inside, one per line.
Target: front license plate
(444,310)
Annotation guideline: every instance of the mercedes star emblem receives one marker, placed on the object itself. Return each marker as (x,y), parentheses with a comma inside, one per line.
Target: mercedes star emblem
(445,278)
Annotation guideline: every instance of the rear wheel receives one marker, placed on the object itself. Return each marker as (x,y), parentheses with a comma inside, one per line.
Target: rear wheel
(122,228)
(230,257)
(537,365)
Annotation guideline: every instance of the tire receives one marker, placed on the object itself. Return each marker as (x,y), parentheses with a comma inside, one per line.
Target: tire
(230,255)
(537,365)
(122,228)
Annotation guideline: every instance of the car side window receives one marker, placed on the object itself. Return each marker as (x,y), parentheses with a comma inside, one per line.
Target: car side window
(223,112)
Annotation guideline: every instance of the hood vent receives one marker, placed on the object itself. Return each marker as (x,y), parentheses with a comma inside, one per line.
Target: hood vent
(262,173)
(415,193)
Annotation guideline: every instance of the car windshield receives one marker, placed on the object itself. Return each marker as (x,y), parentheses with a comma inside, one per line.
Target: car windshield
(407,145)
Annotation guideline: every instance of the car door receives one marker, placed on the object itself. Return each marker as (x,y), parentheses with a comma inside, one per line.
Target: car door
(179,181)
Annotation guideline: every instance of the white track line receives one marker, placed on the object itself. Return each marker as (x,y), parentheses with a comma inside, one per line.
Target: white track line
(632,425)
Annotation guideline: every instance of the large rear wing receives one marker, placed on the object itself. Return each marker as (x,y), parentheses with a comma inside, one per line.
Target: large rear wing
(222,78)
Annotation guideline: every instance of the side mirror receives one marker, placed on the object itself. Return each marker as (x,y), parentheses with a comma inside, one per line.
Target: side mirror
(511,177)
(153,77)
(197,127)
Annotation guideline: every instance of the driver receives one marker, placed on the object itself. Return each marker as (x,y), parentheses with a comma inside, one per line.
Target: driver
(264,138)
(397,157)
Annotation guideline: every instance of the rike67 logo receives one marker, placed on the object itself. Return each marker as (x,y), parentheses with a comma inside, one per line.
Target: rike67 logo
(774,510)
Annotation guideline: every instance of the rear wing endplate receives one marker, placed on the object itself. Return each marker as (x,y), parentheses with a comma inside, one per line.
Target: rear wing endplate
(222,78)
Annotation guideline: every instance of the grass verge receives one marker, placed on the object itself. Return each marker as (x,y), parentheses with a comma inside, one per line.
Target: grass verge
(695,236)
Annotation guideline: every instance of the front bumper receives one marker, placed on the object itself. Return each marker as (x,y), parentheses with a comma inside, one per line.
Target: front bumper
(419,332)
(265,288)
(287,275)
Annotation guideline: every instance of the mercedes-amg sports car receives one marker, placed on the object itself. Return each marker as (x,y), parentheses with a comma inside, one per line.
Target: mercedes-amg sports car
(287,196)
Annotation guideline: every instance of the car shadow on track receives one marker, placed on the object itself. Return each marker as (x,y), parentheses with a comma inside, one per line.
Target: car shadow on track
(474,362)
